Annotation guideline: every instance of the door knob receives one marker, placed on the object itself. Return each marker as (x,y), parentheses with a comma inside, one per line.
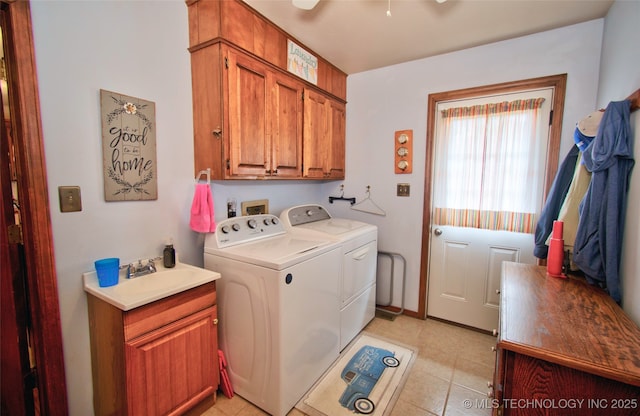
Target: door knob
(437,232)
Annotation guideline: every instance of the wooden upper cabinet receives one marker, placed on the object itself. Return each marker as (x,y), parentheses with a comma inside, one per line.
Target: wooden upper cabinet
(337,131)
(315,135)
(208,120)
(264,118)
(249,132)
(286,133)
(324,137)
(247,117)
(236,22)
(250,120)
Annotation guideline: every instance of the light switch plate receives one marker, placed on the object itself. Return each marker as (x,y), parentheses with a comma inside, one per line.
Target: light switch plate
(70,200)
(403,189)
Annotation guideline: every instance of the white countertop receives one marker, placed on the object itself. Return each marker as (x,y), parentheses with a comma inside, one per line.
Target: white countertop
(132,293)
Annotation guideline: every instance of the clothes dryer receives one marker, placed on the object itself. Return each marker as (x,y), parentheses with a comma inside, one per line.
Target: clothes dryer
(279,321)
(359,248)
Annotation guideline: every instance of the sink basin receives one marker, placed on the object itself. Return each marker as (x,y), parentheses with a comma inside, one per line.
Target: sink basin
(132,293)
(157,282)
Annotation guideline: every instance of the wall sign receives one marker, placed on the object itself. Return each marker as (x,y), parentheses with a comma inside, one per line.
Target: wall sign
(128,147)
(302,63)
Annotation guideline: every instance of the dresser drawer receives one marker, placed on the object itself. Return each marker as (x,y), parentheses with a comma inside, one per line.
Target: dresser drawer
(147,318)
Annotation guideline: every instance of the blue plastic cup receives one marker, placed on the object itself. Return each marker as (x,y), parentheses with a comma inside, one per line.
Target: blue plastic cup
(108,271)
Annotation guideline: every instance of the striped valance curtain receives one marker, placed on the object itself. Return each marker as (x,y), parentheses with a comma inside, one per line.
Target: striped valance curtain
(493,108)
(487,166)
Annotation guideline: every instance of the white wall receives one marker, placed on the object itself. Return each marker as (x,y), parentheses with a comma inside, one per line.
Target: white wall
(395,98)
(619,77)
(80,48)
(137,48)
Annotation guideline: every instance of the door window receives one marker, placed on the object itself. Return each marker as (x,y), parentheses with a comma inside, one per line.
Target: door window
(490,161)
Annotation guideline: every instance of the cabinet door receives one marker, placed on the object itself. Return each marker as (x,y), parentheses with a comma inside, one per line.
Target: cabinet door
(337,133)
(316,146)
(324,136)
(206,75)
(173,368)
(247,94)
(286,138)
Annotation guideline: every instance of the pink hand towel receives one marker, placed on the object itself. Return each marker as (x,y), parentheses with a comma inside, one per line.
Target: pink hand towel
(212,217)
(202,214)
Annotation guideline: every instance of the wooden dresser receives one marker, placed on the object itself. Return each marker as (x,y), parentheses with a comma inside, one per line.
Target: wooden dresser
(564,348)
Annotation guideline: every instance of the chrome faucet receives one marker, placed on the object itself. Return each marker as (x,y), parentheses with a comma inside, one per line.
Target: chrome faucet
(140,269)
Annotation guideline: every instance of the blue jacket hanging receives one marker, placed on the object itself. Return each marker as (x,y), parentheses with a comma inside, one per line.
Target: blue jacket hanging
(598,242)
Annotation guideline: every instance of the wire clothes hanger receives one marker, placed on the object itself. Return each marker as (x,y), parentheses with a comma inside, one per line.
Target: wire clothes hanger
(367,205)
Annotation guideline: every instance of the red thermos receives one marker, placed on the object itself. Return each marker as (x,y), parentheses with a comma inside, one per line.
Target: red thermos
(556,251)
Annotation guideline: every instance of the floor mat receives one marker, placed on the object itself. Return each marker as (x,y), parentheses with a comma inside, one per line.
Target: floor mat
(366,379)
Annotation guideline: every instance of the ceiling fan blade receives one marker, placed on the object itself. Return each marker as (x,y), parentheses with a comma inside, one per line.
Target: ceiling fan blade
(305,4)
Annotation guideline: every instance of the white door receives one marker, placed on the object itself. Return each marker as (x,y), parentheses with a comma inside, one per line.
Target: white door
(465,263)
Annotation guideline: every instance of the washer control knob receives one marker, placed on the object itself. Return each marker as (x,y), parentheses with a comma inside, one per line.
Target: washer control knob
(235,226)
(225,229)
(309,213)
(266,221)
(274,221)
(252,223)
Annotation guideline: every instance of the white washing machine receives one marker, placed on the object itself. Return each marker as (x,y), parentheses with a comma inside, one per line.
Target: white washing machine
(359,248)
(278,307)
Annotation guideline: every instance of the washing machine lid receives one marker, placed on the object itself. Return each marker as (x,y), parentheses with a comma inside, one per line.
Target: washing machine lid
(334,226)
(278,252)
(316,219)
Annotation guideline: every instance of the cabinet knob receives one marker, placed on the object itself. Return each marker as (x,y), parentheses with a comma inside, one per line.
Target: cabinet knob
(495,332)
(217,132)
(489,384)
(215,321)
(490,394)
(494,349)
(497,291)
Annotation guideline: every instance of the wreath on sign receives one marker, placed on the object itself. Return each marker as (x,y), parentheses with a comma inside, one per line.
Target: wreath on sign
(128,187)
(130,108)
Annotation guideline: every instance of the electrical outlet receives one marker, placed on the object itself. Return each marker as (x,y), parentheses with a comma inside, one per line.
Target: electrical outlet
(403,189)
(260,206)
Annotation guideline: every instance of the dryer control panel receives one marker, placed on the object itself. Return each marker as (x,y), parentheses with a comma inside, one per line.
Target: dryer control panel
(303,214)
(244,229)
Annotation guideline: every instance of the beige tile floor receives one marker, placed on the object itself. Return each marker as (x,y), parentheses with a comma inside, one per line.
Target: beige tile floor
(449,374)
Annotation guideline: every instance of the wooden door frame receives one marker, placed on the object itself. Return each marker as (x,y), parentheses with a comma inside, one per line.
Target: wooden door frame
(34,202)
(558,82)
